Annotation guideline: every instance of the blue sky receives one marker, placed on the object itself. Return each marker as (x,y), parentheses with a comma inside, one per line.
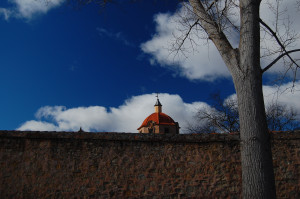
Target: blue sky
(64,67)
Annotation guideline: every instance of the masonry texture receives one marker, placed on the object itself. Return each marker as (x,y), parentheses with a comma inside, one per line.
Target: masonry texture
(125,165)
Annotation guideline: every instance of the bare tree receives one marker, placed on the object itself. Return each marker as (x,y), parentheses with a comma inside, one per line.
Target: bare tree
(244,65)
(281,118)
(223,117)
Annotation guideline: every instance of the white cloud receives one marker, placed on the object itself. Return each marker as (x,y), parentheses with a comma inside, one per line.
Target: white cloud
(33,125)
(125,118)
(6,13)
(203,61)
(130,115)
(29,8)
(286,94)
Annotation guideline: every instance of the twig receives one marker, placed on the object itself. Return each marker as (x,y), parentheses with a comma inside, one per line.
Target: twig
(279,57)
(279,42)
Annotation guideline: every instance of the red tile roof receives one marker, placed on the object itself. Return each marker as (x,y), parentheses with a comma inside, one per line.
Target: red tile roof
(158,118)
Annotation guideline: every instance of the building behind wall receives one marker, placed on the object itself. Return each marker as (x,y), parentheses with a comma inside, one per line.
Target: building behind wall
(159,122)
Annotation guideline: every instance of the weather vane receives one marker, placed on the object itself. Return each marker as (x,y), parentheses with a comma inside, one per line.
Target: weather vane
(156,95)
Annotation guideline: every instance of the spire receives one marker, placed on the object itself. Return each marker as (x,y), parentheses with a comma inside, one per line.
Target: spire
(157,106)
(157,103)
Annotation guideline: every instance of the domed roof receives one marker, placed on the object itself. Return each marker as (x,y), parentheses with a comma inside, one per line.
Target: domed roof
(159,118)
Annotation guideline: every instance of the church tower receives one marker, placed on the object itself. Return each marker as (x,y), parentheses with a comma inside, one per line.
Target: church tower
(159,122)
(157,106)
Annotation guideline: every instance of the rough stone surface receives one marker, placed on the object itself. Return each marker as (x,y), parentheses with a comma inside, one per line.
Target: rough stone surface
(125,165)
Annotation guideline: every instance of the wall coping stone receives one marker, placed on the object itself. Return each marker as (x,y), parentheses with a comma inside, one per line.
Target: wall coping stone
(138,137)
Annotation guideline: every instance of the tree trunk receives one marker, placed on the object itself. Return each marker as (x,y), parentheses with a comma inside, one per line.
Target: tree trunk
(244,66)
(256,154)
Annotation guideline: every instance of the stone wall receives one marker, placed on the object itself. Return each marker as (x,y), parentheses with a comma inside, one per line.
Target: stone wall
(119,165)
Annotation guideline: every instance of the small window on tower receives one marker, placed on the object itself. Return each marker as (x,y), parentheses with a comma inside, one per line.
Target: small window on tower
(166,130)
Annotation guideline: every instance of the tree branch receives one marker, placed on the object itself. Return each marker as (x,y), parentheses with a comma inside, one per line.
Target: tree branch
(211,5)
(278,58)
(278,41)
(186,35)
(229,55)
